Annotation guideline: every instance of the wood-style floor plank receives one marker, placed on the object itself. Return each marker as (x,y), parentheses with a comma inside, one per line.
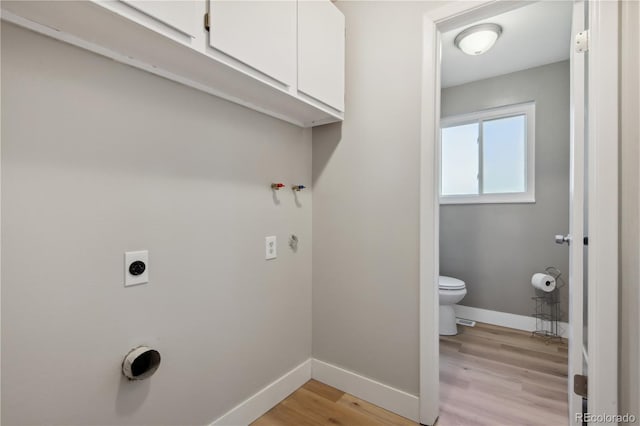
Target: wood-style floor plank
(489,375)
(317,404)
(328,392)
(499,376)
(325,412)
(373,411)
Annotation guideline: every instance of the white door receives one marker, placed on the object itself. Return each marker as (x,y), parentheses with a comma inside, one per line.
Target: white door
(593,344)
(260,34)
(577,289)
(321,38)
(180,15)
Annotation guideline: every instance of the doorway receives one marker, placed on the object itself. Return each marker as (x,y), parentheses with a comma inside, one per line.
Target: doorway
(600,130)
(504,194)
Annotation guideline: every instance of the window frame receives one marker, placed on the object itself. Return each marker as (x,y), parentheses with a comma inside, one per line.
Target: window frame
(528,196)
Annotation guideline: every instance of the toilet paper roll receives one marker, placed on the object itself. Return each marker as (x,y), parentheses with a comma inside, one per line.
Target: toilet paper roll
(543,282)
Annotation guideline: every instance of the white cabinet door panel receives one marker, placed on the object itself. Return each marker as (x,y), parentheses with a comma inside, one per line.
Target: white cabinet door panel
(321,38)
(178,14)
(260,34)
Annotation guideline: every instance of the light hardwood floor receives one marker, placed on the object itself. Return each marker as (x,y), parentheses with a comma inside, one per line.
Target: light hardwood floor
(316,404)
(492,375)
(489,375)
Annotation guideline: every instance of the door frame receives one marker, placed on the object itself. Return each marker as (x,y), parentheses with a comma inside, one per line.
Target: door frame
(577,356)
(603,183)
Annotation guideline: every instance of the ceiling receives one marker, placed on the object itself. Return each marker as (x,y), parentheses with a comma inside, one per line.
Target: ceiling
(532,35)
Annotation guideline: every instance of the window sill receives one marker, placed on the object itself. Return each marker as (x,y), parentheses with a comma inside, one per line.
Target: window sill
(489,199)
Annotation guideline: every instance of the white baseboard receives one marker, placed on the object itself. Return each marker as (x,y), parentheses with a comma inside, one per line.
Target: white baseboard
(392,399)
(503,319)
(377,393)
(267,398)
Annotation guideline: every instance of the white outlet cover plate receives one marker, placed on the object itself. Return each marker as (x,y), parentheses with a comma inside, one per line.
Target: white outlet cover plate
(271,247)
(129,258)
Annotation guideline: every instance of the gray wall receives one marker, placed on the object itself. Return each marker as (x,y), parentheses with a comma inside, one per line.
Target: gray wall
(630,212)
(366,176)
(99,158)
(495,248)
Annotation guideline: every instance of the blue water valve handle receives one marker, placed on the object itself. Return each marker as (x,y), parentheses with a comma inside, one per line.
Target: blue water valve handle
(298,187)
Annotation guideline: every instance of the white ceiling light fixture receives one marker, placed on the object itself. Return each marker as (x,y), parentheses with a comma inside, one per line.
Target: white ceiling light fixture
(478,39)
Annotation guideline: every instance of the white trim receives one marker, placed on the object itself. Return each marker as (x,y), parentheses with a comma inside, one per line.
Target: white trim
(577,352)
(603,187)
(504,319)
(394,400)
(525,108)
(267,398)
(453,10)
(506,198)
(429,227)
(0,240)
(456,14)
(528,109)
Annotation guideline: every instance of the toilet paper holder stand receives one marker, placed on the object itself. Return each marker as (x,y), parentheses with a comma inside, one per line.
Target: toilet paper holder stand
(547,309)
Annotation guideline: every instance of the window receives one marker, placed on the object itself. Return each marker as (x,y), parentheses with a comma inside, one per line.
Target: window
(488,156)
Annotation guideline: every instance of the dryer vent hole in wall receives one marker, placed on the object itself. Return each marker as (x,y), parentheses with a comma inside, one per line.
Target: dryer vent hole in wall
(144,363)
(463,321)
(140,363)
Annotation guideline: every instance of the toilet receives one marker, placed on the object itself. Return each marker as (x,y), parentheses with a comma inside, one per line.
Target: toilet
(451,291)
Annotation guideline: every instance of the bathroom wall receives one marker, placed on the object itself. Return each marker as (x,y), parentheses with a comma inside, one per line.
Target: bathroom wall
(366,176)
(99,158)
(629,374)
(495,248)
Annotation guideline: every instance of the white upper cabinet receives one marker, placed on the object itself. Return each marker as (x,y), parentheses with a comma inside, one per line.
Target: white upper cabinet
(260,34)
(284,58)
(321,38)
(181,15)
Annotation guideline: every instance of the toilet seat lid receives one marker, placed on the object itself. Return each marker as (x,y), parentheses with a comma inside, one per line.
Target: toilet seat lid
(449,283)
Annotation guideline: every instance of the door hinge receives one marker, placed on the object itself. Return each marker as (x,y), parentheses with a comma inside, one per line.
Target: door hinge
(582,41)
(580,385)
(206,22)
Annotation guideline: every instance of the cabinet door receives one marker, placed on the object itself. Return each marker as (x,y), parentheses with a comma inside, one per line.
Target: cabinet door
(178,14)
(321,34)
(260,34)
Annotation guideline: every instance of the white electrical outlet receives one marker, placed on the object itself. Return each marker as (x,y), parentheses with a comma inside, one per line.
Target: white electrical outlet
(271,247)
(136,267)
